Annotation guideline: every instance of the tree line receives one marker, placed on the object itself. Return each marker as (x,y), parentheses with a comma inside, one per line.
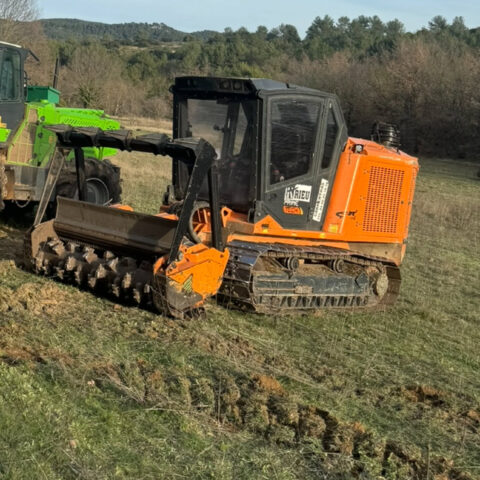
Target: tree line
(425,81)
(129,33)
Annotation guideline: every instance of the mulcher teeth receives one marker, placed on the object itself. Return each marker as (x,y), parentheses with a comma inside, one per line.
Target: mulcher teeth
(137,293)
(57,247)
(60,272)
(127,281)
(108,255)
(70,263)
(71,247)
(116,286)
(121,277)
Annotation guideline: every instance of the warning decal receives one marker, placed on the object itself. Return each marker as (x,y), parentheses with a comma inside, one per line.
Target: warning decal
(320,203)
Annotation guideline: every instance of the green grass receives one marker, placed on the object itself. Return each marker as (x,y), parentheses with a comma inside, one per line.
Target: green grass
(93,390)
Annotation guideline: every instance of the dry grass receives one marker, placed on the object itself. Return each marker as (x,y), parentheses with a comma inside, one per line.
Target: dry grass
(140,124)
(108,391)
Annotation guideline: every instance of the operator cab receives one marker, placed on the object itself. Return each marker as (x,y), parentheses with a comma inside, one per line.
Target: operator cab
(277,145)
(12,88)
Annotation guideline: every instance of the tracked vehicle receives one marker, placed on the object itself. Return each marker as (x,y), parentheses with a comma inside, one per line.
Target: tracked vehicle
(27,147)
(272,208)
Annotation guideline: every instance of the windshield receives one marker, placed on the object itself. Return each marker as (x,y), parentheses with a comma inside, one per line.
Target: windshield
(10,75)
(228,124)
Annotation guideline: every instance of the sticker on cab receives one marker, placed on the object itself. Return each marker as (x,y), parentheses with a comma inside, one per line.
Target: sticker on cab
(297,193)
(292,210)
(320,203)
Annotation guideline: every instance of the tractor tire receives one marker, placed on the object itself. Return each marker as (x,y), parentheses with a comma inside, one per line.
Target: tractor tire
(103,182)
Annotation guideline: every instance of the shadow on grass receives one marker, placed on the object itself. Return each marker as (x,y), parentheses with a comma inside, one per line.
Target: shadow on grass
(14,223)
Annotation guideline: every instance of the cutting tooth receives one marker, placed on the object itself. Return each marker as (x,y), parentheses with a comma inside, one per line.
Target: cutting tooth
(101,272)
(137,296)
(116,286)
(138,292)
(60,270)
(113,264)
(80,275)
(97,277)
(39,261)
(71,247)
(56,246)
(108,255)
(71,263)
(59,249)
(127,280)
(92,281)
(47,266)
(52,242)
(89,255)
(37,264)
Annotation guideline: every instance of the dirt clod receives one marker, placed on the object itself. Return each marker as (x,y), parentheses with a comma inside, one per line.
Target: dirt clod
(310,423)
(285,410)
(473,415)
(268,384)
(424,394)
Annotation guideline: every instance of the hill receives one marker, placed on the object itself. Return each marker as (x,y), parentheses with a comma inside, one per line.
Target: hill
(68,29)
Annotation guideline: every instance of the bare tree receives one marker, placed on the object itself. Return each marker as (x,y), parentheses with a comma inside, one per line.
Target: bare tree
(18,24)
(93,79)
(13,15)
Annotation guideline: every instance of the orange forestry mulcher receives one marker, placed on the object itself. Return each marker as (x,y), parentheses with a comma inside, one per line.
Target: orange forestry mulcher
(272,207)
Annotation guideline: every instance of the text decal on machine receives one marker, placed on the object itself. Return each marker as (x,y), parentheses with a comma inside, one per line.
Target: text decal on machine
(320,203)
(297,193)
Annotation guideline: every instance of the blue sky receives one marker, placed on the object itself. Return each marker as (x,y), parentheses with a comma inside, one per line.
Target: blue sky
(192,15)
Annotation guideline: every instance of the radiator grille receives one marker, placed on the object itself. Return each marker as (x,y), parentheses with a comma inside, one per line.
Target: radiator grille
(383,200)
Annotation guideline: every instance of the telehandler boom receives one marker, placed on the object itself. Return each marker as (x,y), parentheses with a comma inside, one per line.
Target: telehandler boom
(272,208)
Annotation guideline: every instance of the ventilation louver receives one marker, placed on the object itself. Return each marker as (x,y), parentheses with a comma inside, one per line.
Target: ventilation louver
(383,200)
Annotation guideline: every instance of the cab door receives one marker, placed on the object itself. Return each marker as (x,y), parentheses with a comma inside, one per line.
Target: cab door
(302,144)
(12,95)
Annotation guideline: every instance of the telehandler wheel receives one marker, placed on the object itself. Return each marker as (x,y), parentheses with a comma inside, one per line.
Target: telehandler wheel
(103,182)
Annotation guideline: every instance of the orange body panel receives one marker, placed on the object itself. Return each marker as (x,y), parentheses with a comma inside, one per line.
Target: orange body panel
(372,195)
(120,206)
(369,208)
(199,271)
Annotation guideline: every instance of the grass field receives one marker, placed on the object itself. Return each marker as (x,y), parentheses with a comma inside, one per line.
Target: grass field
(95,390)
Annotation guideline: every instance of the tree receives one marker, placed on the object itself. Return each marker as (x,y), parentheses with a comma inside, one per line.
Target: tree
(93,79)
(13,15)
(438,24)
(18,25)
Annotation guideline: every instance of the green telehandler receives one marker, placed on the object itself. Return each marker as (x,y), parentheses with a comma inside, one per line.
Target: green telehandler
(27,147)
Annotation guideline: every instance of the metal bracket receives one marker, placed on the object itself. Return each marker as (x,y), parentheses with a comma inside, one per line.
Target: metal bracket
(56,166)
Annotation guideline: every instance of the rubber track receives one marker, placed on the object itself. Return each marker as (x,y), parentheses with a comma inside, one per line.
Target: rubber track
(237,288)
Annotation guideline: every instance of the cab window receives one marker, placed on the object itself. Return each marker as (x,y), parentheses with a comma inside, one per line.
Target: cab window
(10,76)
(293,131)
(330,139)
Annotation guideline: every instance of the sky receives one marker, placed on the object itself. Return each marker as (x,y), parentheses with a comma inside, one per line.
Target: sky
(194,15)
